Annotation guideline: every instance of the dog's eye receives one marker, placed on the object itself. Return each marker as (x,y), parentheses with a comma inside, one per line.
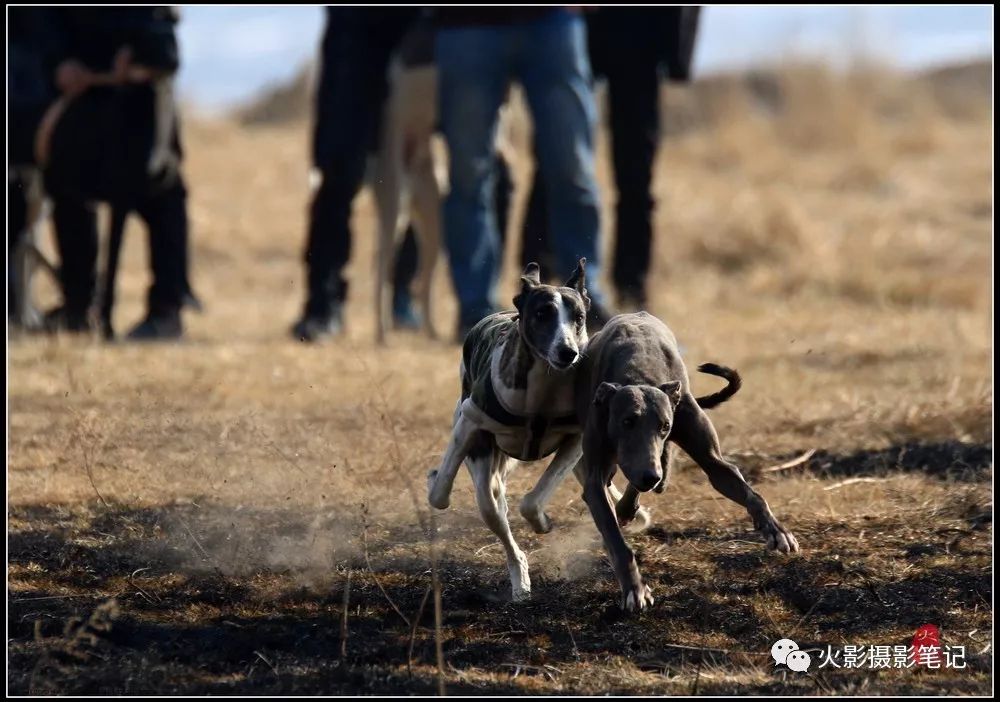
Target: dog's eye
(664,428)
(628,422)
(543,312)
(579,317)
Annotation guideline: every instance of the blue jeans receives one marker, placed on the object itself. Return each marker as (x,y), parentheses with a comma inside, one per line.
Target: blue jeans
(549,58)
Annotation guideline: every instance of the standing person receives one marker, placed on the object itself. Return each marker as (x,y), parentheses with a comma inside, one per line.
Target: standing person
(30,91)
(479,51)
(356,49)
(632,48)
(106,62)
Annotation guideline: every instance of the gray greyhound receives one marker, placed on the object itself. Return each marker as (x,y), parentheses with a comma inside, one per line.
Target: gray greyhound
(517,402)
(633,396)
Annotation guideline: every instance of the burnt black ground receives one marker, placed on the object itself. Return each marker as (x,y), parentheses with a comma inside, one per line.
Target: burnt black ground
(102,607)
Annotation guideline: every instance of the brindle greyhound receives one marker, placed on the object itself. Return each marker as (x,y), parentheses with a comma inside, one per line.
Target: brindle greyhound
(633,396)
(518,402)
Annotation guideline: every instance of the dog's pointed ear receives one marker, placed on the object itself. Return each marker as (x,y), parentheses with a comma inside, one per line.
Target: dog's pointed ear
(578,281)
(531,275)
(529,279)
(605,391)
(673,391)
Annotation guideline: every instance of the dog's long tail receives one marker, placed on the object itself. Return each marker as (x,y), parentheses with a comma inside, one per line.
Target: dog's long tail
(717,398)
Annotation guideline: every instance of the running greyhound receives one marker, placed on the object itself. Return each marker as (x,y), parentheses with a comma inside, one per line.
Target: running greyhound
(633,396)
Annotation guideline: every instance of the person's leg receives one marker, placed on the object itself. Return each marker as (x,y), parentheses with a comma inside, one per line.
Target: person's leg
(535,244)
(17,218)
(633,95)
(75,225)
(328,248)
(348,102)
(165,215)
(473,77)
(503,189)
(555,71)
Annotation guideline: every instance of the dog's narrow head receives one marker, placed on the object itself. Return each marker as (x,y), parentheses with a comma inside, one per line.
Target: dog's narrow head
(553,319)
(638,419)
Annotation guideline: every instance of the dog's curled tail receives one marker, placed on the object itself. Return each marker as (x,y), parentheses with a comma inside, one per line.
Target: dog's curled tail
(717,398)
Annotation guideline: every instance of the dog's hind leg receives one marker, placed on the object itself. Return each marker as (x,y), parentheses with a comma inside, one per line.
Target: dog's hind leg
(387,189)
(533,504)
(693,432)
(426,204)
(488,466)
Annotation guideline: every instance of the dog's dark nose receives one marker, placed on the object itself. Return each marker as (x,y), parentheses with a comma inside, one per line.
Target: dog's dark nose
(567,355)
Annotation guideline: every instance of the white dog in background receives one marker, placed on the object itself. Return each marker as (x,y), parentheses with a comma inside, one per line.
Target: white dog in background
(409,175)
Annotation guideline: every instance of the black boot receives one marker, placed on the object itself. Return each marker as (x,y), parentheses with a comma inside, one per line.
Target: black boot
(158,326)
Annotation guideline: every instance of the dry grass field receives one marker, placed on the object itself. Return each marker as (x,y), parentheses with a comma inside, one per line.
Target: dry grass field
(214,516)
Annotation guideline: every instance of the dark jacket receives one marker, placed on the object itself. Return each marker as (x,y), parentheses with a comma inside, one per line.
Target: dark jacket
(93,35)
(30,85)
(620,36)
(100,147)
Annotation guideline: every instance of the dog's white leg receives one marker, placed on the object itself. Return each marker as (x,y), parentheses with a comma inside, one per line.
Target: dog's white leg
(489,474)
(426,203)
(439,481)
(533,504)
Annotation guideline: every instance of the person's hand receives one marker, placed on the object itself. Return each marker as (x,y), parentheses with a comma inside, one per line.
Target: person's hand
(122,64)
(72,77)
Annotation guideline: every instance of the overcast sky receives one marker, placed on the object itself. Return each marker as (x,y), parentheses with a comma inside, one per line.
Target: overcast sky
(228,53)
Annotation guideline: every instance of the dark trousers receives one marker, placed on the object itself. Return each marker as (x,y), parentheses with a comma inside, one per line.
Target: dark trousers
(329,247)
(356,48)
(633,95)
(165,215)
(406,261)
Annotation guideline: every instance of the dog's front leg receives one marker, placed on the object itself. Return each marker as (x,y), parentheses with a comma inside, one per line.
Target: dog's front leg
(533,504)
(630,513)
(693,432)
(488,466)
(627,507)
(635,594)
(439,481)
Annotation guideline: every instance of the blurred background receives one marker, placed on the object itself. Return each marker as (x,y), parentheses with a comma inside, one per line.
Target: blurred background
(230,53)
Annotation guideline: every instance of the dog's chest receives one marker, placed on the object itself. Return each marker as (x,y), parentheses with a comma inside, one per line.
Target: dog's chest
(546,406)
(528,418)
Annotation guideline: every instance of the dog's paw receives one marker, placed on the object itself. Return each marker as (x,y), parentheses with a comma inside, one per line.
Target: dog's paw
(435,500)
(625,513)
(520,594)
(637,597)
(540,522)
(542,525)
(637,522)
(640,523)
(779,538)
